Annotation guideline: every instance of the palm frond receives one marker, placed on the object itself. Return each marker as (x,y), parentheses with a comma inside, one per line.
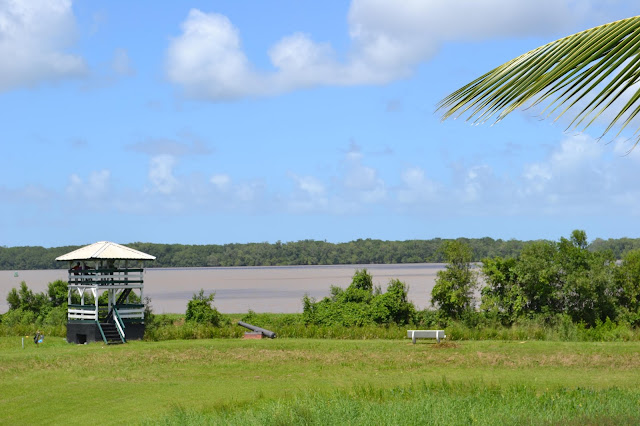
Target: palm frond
(585,72)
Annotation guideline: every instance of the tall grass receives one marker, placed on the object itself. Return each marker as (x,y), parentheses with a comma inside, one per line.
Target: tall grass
(173,327)
(563,330)
(292,326)
(29,330)
(440,403)
(284,325)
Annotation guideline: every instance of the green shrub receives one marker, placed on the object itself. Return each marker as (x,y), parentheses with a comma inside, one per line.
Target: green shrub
(361,304)
(199,310)
(56,316)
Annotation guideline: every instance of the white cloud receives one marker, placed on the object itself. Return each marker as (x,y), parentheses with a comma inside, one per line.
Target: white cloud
(222,182)
(388,40)
(359,182)
(475,187)
(33,39)
(416,188)
(121,63)
(246,192)
(310,185)
(207,59)
(582,176)
(161,174)
(309,195)
(225,194)
(573,169)
(579,177)
(90,192)
(537,177)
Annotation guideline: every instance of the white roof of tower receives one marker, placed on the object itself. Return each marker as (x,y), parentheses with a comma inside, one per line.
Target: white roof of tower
(105,250)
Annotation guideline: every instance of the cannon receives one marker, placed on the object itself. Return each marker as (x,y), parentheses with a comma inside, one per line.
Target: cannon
(266,333)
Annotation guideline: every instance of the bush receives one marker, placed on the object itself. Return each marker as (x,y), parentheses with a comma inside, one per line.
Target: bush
(199,310)
(56,316)
(361,304)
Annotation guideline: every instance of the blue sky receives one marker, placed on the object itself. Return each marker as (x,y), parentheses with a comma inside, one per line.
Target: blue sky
(217,122)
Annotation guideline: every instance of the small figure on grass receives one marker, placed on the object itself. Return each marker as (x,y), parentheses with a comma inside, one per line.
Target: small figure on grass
(38,338)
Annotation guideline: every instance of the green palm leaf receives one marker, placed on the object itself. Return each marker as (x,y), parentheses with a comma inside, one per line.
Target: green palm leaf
(585,73)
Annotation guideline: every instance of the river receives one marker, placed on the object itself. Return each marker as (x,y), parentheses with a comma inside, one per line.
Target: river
(277,289)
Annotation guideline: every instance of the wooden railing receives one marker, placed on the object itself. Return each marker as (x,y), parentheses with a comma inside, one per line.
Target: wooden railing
(82,312)
(104,339)
(119,324)
(131,311)
(91,277)
(88,312)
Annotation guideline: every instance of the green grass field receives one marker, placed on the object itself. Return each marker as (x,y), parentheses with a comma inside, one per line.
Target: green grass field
(308,381)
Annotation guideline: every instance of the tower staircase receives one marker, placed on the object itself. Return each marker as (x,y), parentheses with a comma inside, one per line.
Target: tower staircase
(112,327)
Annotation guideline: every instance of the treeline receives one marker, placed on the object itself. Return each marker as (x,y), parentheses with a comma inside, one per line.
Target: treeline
(311,252)
(306,252)
(550,281)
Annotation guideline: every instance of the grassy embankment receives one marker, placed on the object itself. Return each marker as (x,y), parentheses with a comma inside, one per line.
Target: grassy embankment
(174,327)
(289,381)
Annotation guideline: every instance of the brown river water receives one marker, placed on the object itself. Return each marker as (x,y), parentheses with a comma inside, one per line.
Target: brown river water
(277,289)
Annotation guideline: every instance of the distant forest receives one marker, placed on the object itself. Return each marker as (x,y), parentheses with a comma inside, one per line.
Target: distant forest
(306,252)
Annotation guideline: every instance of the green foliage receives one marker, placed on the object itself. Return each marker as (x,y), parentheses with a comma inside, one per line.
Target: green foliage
(199,310)
(29,309)
(627,277)
(453,291)
(18,316)
(561,278)
(56,316)
(13,299)
(360,304)
(26,306)
(305,252)
(57,292)
(362,280)
(566,75)
(618,246)
(500,300)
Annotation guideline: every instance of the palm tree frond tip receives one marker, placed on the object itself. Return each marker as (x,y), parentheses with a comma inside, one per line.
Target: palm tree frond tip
(582,75)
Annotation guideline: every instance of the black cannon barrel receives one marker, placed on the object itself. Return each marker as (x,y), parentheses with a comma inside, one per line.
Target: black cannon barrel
(267,333)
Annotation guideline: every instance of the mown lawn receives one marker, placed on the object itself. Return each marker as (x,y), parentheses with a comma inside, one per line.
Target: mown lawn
(319,381)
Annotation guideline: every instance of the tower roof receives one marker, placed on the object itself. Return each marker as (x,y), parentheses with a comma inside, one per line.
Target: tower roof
(105,250)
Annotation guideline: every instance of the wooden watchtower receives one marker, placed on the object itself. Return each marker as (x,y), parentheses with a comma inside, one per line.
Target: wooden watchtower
(108,280)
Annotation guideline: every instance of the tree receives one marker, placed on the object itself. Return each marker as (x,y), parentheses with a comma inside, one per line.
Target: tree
(58,293)
(586,72)
(539,279)
(560,278)
(502,297)
(453,291)
(587,281)
(628,279)
(199,310)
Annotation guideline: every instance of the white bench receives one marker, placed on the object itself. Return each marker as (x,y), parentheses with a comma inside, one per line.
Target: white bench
(425,334)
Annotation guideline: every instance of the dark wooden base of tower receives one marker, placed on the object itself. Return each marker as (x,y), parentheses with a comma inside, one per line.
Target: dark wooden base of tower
(80,332)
